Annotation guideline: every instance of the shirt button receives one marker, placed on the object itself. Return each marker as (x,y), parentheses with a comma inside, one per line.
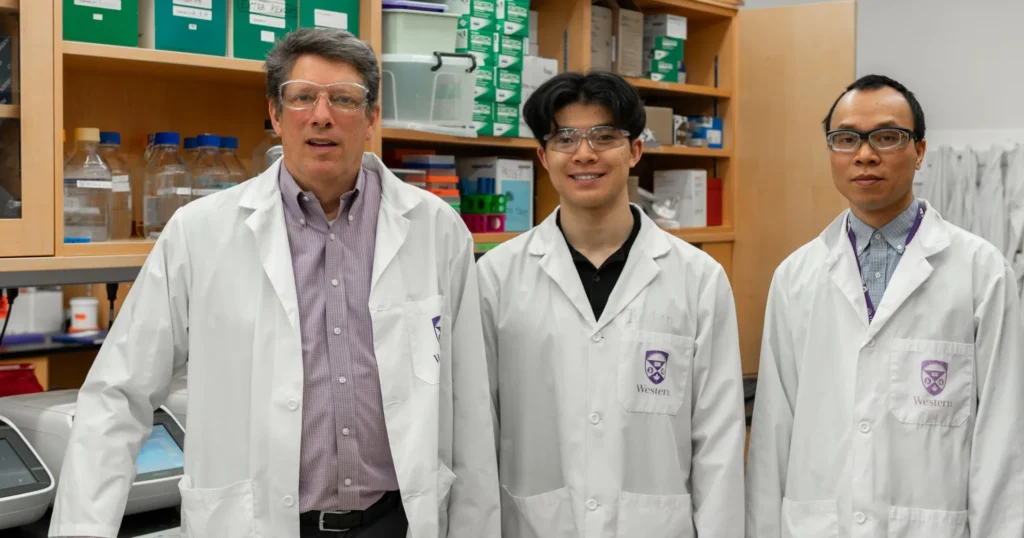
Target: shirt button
(293,404)
(865,427)
(592,504)
(597,337)
(351,218)
(878,275)
(899,248)
(342,380)
(332,237)
(337,330)
(877,239)
(289,501)
(860,517)
(348,481)
(305,198)
(302,222)
(334,282)
(597,278)
(344,431)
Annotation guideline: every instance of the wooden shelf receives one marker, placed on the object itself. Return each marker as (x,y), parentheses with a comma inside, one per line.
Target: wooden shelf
(713,234)
(671,88)
(420,137)
(161,63)
(686,151)
(10,111)
(691,9)
(8,5)
(494,237)
(129,247)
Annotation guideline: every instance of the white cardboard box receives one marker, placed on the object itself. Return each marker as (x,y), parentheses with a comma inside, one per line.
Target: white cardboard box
(513,178)
(665,24)
(600,38)
(690,187)
(537,71)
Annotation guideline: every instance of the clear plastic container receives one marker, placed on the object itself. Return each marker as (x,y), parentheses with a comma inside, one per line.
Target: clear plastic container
(121,195)
(209,173)
(260,162)
(87,191)
(428,93)
(229,152)
(190,150)
(168,184)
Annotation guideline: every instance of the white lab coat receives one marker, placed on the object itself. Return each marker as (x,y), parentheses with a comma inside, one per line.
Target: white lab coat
(847,441)
(990,207)
(582,452)
(218,291)
(1014,192)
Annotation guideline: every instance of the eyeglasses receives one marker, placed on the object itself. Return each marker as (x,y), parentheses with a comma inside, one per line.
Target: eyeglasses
(600,138)
(304,95)
(882,139)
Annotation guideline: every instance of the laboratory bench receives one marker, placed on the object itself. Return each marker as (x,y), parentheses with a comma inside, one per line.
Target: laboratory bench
(132,526)
(47,347)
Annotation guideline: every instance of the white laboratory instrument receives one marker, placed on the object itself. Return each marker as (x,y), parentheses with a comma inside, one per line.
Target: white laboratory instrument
(177,400)
(45,420)
(26,485)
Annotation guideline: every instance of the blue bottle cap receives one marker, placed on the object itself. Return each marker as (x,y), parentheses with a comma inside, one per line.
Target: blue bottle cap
(162,139)
(191,142)
(208,141)
(77,240)
(229,142)
(110,137)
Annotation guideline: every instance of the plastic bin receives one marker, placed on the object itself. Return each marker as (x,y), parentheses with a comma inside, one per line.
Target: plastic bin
(431,93)
(410,31)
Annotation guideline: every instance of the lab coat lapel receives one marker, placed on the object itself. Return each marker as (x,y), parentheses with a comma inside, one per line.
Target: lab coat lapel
(557,263)
(843,266)
(640,270)
(392,224)
(263,196)
(913,268)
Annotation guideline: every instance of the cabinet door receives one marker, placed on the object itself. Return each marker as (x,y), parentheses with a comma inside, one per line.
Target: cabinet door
(27,139)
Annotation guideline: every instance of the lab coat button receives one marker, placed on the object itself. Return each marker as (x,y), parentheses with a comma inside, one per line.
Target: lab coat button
(592,504)
(595,418)
(293,405)
(860,517)
(289,501)
(865,427)
(597,337)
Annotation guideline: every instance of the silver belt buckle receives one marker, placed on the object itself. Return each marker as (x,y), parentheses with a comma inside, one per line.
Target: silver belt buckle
(330,530)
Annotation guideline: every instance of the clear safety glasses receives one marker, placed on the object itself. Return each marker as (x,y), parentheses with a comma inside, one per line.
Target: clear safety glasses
(303,95)
(600,138)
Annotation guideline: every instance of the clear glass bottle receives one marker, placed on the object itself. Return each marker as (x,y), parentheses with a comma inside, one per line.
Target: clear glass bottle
(168,184)
(190,150)
(229,152)
(87,191)
(209,173)
(259,155)
(121,197)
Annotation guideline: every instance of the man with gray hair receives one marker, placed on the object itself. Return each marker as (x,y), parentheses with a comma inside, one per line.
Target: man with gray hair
(329,316)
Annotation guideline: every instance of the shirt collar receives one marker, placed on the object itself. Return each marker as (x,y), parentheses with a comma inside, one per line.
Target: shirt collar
(303,204)
(895,232)
(619,255)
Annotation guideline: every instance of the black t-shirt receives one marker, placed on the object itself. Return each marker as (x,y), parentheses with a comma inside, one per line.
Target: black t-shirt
(599,282)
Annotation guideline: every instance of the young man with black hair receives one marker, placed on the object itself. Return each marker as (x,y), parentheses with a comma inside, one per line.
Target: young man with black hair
(612,346)
(889,399)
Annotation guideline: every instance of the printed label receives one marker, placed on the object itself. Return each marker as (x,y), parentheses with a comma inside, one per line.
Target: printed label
(180,191)
(192,13)
(94,184)
(97,16)
(121,184)
(274,8)
(113,5)
(323,18)
(204,192)
(266,36)
(205,4)
(263,20)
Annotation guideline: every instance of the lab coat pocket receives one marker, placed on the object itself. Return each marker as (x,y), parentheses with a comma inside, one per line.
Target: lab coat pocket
(931,381)
(548,515)
(815,519)
(655,516)
(426,321)
(918,523)
(227,512)
(653,371)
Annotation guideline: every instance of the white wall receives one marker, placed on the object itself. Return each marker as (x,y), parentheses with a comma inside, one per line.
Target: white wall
(963,59)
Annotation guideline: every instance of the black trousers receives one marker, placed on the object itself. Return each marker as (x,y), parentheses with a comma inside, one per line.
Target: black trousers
(393,525)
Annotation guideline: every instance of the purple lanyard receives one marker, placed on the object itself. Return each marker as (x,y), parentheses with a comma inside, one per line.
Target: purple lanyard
(853,243)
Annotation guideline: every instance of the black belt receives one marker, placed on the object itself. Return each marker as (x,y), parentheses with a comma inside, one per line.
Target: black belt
(344,521)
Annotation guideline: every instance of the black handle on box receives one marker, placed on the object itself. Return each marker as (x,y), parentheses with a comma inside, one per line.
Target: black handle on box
(439,55)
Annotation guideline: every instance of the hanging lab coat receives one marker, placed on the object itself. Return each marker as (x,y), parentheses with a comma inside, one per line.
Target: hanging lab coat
(218,290)
(909,427)
(628,426)
(1014,185)
(990,206)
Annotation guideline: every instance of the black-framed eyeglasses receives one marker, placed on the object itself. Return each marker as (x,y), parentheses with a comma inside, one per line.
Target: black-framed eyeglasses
(600,138)
(882,138)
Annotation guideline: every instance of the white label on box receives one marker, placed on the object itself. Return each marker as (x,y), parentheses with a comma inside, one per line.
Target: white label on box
(263,20)
(714,137)
(192,13)
(94,184)
(266,36)
(114,5)
(97,16)
(274,8)
(205,192)
(330,19)
(121,184)
(205,4)
(192,26)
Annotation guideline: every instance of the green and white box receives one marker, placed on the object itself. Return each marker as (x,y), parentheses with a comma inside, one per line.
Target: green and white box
(340,14)
(196,26)
(662,71)
(481,12)
(477,24)
(510,51)
(483,117)
(499,85)
(255,25)
(485,87)
(480,45)
(669,49)
(506,120)
(514,17)
(109,22)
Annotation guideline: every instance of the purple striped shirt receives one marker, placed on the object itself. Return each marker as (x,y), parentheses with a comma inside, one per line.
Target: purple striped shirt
(345,463)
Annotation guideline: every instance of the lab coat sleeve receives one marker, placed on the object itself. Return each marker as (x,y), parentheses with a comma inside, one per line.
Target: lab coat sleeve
(473,509)
(129,379)
(996,483)
(718,424)
(772,427)
(490,288)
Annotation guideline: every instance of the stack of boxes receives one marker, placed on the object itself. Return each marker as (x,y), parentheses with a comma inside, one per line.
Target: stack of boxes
(511,178)
(497,33)
(616,37)
(483,211)
(439,176)
(664,41)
